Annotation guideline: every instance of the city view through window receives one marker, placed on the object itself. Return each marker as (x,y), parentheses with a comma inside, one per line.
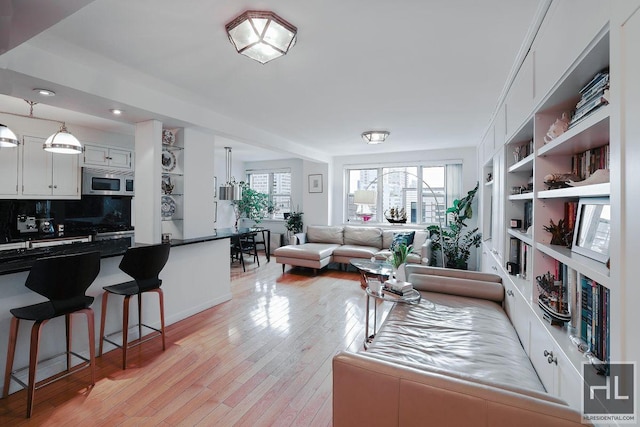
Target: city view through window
(278,186)
(402,189)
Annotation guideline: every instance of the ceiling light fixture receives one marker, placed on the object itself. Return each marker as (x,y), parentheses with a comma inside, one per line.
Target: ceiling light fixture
(44,92)
(62,142)
(375,136)
(260,35)
(116,111)
(8,139)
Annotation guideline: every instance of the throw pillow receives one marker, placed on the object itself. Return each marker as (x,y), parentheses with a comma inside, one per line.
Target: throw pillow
(405,237)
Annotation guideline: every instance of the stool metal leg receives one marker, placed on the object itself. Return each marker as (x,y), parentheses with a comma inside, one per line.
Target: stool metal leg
(11,351)
(140,316)
(125,331)
(103,317)
(33,365)
(161,301)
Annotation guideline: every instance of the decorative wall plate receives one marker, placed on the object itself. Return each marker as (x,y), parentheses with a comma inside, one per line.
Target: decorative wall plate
(168,160)
(168,137)
(168,207)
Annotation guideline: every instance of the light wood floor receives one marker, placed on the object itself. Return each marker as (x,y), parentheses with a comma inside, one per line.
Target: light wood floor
(263,358)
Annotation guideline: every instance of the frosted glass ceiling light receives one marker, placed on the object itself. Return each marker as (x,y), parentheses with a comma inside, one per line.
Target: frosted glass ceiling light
(8,139)
(262,36)
(375,136)
(62,142)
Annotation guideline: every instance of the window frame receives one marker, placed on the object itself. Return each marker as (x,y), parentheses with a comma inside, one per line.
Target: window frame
(271,173)
(420,191)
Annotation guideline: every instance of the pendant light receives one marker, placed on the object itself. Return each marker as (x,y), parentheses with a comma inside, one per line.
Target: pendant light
(62,142)
(8,139)
(232,190)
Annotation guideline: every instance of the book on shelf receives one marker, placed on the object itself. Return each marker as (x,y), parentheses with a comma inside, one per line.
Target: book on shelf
(592,96)
(528,215)
(585,163)
(525,260)
(594,320)
(570,212)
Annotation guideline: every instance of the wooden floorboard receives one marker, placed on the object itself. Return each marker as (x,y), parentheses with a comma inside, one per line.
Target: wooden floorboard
(261,359)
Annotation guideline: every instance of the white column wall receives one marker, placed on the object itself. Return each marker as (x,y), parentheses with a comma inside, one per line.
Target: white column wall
(199,188)
(148,176)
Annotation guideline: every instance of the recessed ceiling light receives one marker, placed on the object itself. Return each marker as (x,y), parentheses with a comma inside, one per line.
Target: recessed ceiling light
(116,111)
(44,92)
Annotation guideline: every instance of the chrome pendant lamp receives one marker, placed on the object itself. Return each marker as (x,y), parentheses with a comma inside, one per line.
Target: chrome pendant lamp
(232,190)
(8,139)
(62,142)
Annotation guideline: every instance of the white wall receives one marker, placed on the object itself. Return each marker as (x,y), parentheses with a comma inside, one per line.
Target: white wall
(315,206)
(199,191)
(467,155)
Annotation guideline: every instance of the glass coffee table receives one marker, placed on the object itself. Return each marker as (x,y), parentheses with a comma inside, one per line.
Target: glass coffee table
(378,270)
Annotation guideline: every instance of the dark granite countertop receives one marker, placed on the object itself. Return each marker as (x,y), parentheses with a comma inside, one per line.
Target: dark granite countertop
(17,260)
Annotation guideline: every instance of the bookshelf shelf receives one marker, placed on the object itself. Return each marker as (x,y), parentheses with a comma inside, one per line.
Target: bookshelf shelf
(524,196)
(591,132)
(524,165)
(590,268)
(521,235)
(595,190)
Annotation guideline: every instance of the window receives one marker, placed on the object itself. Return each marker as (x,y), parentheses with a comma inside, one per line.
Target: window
(276,184)
(402,188)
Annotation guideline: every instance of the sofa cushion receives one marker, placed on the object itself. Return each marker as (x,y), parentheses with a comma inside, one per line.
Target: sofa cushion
(355,251)
(469,337)
(325,234)
(405,237)
(311,251)
(419,237)
(363,236)
(412,258)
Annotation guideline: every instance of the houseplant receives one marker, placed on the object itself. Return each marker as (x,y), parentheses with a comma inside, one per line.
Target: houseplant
(254,205)
(398,259)
(457,240)
(293,223)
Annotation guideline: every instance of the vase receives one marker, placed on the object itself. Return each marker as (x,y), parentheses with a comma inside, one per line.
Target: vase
(399,273)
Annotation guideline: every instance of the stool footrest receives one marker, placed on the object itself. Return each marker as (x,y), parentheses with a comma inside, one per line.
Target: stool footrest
(53,378)
(138,340)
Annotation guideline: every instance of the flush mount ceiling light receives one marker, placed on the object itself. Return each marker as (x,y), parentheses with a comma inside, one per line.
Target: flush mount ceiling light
(116,111)
(262,36)
(8,139)
(375,136)
(44,92)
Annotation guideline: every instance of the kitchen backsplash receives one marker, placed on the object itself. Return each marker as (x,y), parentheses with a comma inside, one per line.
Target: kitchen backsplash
(89,214)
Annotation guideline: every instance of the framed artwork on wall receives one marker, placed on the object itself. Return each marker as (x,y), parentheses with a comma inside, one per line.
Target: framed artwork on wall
(315,183)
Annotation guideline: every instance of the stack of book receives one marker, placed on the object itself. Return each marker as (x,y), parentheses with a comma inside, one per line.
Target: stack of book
(593,95)
(594,319)
(397,287)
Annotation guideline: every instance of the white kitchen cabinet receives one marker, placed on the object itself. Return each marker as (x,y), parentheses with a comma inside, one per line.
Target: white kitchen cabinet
(47,174)
(519,101)
(107,157)
(9,171)
(497,206)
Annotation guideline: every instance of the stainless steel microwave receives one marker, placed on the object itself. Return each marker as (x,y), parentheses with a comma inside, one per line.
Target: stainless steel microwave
(106,182)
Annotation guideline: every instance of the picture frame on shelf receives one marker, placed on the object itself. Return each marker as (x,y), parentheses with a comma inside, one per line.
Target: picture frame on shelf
(315,183)
(593,228)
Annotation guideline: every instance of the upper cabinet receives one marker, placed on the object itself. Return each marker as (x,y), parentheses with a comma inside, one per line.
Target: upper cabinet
(9,168)
(107,157)
(519,101)
(46,174)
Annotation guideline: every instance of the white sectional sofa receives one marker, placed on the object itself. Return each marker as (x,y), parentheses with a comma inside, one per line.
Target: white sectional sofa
(324,244)
(453,359)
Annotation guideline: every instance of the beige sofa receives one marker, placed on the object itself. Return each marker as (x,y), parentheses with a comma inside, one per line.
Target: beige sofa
(454,359)
(323,244)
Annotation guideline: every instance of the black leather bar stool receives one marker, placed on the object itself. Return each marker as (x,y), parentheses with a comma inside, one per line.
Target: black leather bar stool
(63,280)
(144,264)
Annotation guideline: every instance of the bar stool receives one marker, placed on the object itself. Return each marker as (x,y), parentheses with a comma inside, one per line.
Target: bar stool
(63,280)
(144,264)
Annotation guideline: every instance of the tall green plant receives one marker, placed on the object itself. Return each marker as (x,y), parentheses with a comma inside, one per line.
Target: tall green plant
(294,223)
(456,240)
(254,205)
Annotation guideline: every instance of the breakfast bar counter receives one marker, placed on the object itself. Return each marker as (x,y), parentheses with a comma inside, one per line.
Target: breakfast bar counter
(196,277)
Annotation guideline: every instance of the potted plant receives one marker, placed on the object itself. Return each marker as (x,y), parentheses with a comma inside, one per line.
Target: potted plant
(254,205)
(456,240)
(398,259)
(293,223)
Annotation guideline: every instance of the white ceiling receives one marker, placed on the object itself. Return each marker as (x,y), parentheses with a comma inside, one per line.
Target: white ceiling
(429,71)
